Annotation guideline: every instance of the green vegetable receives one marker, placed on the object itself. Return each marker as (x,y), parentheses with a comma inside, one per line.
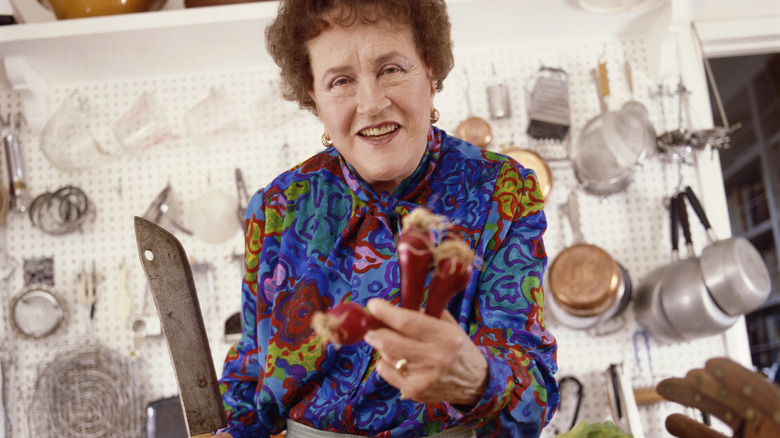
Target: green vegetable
(606,429)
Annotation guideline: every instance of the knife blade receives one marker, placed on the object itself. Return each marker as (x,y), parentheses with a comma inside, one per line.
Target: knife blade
(172,286)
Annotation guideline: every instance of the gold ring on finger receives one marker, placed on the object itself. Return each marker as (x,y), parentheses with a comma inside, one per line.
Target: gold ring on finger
(401,365)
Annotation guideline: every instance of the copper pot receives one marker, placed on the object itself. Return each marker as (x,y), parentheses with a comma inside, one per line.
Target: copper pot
(585,280)
(587,286)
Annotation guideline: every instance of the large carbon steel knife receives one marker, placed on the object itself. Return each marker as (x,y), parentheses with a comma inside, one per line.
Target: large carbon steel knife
(169,274)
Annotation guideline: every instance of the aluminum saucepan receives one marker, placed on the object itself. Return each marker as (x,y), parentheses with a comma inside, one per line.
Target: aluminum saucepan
(687,303)
(733,270)
(647,297)
(677,292)
(647,306)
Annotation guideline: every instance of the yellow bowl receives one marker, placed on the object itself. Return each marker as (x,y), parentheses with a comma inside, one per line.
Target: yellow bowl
(65,9)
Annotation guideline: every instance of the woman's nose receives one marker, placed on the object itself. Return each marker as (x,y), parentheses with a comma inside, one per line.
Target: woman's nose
(372,99)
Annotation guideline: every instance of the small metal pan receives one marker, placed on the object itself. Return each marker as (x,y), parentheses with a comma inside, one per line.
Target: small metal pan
(684,297)
(734,272)
(647,302)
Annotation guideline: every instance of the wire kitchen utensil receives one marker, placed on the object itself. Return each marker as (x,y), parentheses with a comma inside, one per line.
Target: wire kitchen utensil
(87,391)
(62,212)
(611,146)
(37,311)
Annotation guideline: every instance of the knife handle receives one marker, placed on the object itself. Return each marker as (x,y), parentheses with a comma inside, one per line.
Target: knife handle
(683,427)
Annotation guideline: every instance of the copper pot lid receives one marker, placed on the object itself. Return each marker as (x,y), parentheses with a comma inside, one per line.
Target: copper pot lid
(532,160)
(585,280)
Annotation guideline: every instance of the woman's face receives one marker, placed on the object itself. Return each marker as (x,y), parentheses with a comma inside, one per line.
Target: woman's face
(374,95)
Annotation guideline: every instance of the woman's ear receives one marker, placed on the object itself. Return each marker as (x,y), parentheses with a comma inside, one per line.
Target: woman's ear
(314,101)
(432,82)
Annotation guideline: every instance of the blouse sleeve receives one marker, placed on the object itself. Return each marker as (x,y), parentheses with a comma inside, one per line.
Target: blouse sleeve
(242,370)
(506,323)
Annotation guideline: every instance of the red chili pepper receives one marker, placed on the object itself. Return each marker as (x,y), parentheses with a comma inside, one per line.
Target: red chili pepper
(415,254)
(344,323)
(452,273)
(415,259)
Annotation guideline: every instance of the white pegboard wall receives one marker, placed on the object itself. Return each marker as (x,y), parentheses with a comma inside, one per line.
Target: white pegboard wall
(631,225)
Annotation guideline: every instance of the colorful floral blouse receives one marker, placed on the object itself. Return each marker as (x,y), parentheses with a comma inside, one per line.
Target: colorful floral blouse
(318,235)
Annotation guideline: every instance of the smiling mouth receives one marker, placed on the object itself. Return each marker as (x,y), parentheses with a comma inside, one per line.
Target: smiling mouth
(379,131)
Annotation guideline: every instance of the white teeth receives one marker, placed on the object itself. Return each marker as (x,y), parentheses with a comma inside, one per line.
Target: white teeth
(376,132)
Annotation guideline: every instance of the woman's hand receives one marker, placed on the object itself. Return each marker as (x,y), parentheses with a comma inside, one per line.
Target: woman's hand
(441,362)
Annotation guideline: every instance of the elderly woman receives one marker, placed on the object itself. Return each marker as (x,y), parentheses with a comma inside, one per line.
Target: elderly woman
(325,233)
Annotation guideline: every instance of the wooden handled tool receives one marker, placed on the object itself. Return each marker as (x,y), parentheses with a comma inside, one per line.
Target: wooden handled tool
(744,400)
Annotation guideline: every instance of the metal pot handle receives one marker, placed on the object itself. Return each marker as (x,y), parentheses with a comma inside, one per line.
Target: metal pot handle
(696,205)
(682,212)
(575,415)
(572,209)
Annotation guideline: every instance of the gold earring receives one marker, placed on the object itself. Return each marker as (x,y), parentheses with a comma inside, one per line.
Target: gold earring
(435,116)
(326,141)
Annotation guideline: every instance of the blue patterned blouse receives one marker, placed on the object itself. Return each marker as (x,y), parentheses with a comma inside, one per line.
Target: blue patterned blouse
(318,235)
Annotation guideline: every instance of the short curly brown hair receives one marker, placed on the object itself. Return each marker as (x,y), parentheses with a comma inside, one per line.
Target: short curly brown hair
(299,21)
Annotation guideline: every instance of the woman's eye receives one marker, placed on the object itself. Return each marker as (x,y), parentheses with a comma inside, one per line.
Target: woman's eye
(339,82)
(390,70)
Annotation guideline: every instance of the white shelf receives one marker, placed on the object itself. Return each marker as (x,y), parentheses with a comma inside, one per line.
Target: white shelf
(173,41)
(144,44)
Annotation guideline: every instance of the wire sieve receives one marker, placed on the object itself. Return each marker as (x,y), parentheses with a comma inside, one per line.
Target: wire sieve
(37,311)
(87,391)
(611,146)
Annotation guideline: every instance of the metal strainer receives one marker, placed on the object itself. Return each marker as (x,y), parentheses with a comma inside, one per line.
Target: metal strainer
(87,391)
(611,146)
(37,311)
